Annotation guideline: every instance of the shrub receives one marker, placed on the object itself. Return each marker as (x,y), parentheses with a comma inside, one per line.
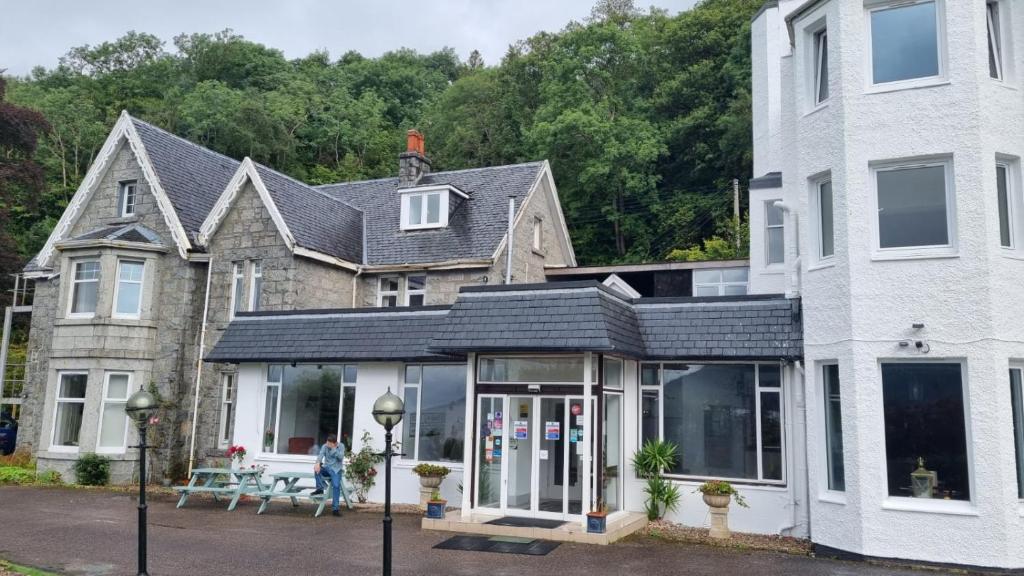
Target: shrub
(92,470)
(15,475)
(431,470)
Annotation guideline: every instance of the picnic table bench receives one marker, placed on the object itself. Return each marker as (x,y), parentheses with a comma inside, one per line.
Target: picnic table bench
(208,481)
(284,486)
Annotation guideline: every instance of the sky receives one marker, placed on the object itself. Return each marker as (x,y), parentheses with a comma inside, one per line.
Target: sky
(37,32)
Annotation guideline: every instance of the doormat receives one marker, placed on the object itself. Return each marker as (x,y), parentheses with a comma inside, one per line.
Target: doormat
(502,545)
(526,522)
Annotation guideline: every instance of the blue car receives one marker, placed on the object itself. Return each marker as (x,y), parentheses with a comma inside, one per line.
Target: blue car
(8,434)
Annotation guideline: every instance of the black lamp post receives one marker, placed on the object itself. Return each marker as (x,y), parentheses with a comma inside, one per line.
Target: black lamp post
(141,406)
(388,411)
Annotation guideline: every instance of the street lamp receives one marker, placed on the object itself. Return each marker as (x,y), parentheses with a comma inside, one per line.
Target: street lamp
(388,411)
(141,407)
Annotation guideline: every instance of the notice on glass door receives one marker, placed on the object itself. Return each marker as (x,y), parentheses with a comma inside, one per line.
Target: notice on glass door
(520,427)
(552,430)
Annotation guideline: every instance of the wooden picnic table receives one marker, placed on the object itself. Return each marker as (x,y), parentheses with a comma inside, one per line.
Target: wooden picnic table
(284,486)
(208,481)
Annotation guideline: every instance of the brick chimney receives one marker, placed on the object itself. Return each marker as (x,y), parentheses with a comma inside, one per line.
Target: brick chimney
(413,164)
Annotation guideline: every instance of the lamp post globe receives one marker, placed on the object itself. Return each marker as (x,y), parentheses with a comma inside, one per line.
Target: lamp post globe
(388,411)
(141,406)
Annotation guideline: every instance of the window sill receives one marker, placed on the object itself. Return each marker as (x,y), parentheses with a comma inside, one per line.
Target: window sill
(929,506)
(817,108)
(832,497)
(1012,254)
(745,484)
(822,265)
(540,253)
(775,269)
(401,464)
(284,458)
(914,255)
(915,84)
(93,321)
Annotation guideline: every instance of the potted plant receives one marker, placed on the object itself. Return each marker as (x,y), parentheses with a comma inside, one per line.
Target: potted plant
(597,519)
(436,506)
(717,495)
(650,463)
(237,455)
(431,477)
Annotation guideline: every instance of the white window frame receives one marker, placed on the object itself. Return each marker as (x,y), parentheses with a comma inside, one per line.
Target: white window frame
(228,393)
(237,278)
(413,455)
(129,189)
(117,289)
(820,50)
(58,400)
(827,493)
(768,206)
(103,408)
(423,194)
(1013,200)
(1019,368)
(994,38)
(255,281)
(949,249)
(941,45)
(267,383)
(538,234)
(721,285)
(817,226)
(74,282)
(409,292)
(381,293)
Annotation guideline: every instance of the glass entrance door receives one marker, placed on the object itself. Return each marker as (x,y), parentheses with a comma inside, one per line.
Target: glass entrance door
(520,453)
(559,459)
(490,456)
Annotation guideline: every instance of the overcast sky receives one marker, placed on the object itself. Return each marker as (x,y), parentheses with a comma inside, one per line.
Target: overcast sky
(38,32)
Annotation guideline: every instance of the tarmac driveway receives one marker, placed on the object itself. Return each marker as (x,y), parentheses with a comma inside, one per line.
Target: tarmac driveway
(93,532)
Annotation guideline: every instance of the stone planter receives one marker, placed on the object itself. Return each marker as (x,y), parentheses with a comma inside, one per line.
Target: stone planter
(597,522)
(435,509)
(427,486)
(718,505)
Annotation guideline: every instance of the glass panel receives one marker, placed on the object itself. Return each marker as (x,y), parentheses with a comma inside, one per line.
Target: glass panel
(826,216)
(412,395)
(833,428)
(649,375)
(69,423)
(575,429)
(257,284)
(912,207)
(274,373)
(73,385)
(520,452)
(771,436)
(129,288)
(1018,426)
(769,376)
(707,276)
(924,422)
(994,43)
(776,246)
(735,274)
(560,369)
(442,413)
(310,399)
(433,208)
(351,373)
(412,374)
(86,287)
(114,424)
(488,487)
(613,471)
(1005,238)
(613,373)
(822,68)
(648,416)
(707,290)
(117,387)
(239,280)
(416,300)
(709,413)
(415,210)
(416,283)
(736,290)
(87,270)
(774,214)
(270,418)
(131,271)
(348,415)
(904,42)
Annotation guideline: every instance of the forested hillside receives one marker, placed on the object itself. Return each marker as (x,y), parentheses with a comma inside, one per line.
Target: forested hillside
(645,117)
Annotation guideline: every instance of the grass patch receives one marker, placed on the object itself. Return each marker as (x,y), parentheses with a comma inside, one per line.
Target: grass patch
(15,475)
(9,568)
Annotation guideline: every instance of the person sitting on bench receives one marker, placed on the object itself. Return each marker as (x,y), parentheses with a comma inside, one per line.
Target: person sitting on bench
(330,463)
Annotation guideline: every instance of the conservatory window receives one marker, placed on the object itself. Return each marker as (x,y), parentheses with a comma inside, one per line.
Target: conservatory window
(435,412)
(305,403)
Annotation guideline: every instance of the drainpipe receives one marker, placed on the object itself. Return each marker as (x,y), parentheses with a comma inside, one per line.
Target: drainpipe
(355,284)
(199,367)
(801,470)
(508,248)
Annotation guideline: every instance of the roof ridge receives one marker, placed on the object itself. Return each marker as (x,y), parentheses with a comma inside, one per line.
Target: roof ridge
(183,139)
(461,170)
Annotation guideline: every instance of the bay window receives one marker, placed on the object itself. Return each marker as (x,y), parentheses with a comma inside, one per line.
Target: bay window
(435,412)
(114,419)
(305,403)
(915,206)
(833,427)
(85,284)
(67,418)
(128,292)
(905,41)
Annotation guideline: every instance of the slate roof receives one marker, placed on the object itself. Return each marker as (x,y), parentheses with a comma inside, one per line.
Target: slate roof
(375,334)
(474,229)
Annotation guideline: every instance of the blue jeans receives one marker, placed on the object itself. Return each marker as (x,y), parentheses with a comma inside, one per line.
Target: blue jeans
(326,471)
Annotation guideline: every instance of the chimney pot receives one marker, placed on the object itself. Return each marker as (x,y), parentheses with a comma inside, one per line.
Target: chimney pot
(413,164)
(415,142)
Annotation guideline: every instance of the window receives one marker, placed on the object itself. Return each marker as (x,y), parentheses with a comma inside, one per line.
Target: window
(1017,402)
(720,282)
(995,44)
(1005,209)
(612,373)
(905,42)
(821,66)
(85,288)
(415,290)
(387,294)
(725,418)
(551,370)
(304,404)
(775,233)
(833,427)
(538,234)
(422,210)
(128,294)
(924,430)
(826,224)
(227,409)
(67,419)
(128,198)
(913,206)
(256,285)
(114,420)
(237,288)
(435,409)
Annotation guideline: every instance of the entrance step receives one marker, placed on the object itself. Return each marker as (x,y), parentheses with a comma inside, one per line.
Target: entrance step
(620,525)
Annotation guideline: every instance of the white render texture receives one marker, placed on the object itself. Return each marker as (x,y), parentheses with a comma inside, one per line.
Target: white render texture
(859,305)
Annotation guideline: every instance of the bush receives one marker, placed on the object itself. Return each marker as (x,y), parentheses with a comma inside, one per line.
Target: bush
(92,470)
(15,475)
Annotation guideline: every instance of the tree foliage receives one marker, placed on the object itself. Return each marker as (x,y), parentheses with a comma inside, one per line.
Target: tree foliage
(645,116)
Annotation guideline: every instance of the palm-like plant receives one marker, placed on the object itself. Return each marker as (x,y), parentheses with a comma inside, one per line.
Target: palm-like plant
(650,462)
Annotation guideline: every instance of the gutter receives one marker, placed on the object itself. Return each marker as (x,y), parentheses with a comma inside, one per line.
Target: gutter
(199,367)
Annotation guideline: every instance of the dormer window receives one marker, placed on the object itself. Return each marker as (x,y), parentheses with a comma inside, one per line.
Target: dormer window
(128,199)
(424,210)
(426,207)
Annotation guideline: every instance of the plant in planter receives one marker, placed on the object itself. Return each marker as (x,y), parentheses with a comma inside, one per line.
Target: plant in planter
(436,506)
(431,476)
(597,519)
(650,462)
(717,495)
(237,455)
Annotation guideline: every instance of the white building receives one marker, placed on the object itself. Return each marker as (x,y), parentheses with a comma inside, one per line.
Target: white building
(887,145)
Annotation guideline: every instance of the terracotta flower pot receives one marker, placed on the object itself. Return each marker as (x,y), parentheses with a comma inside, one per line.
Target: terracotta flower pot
(717,500)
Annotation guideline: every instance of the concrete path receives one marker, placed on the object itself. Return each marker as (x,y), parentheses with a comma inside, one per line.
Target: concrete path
(93,532)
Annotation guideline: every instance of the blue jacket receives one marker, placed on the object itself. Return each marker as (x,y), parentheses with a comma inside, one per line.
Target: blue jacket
(333,458)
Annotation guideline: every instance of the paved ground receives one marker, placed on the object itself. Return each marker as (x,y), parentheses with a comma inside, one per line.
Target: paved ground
(93,532)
